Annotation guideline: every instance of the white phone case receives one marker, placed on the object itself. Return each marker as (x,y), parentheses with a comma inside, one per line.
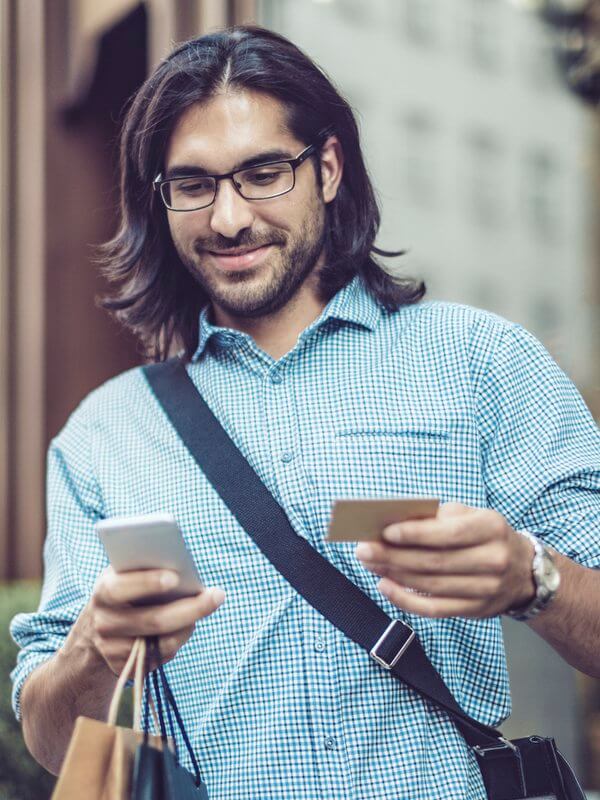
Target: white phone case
(150,541)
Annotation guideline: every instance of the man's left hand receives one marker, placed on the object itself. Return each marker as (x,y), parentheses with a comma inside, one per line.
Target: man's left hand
(465,562)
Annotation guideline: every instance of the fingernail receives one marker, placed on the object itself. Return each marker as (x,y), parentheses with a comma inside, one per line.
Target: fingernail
(168,580)
(364,551)
(217,595)
(393,533)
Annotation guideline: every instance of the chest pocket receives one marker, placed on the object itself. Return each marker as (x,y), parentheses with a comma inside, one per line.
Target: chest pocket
(432,459)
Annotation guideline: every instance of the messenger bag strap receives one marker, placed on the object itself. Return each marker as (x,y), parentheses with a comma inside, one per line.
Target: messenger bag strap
(390,642)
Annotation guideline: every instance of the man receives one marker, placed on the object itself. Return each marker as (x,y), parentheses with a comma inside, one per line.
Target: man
(247,237)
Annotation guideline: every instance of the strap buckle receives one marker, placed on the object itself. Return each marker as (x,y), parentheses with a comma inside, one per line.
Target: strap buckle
(382,640)
(503,744)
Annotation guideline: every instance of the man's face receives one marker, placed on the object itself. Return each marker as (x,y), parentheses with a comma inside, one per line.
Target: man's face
(250,256)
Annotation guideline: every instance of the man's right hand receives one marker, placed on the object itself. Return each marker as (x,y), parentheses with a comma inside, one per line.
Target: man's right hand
(80,678)
(112,620)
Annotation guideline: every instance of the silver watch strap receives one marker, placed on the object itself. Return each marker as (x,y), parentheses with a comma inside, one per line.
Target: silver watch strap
(543,593)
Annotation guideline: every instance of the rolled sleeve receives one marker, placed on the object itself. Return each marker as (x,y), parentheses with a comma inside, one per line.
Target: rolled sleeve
(73,556)
(541,452)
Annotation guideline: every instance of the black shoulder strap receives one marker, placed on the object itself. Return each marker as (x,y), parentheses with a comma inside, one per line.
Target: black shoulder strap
(391,643)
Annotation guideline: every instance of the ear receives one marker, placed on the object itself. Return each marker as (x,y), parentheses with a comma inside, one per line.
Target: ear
(332,168)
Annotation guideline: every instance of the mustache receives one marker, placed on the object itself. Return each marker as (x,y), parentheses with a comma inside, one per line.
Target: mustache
(243,239)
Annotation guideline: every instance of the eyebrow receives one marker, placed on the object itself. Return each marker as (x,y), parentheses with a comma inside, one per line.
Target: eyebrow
(183,170)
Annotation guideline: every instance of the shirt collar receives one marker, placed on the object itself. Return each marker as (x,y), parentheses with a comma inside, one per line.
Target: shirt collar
(353,304)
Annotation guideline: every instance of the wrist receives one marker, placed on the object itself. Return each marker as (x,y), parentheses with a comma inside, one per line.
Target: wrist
(526,589)
(545,578)
(80,649)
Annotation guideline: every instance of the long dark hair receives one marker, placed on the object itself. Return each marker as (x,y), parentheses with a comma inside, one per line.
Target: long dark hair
(156,297)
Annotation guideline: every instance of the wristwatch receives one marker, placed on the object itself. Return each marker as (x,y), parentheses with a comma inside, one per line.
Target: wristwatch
(546,578)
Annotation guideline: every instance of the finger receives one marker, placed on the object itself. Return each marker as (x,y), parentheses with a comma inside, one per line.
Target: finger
(431,606)
(158,620)
(116,652)
(487,559)
(453,510)
(466,530)
(450,586)
(121,588)
(170,645)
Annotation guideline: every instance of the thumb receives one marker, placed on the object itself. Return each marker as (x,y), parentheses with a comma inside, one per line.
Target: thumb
(452,510)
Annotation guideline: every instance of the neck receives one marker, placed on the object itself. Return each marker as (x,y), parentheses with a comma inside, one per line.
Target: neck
(277,333)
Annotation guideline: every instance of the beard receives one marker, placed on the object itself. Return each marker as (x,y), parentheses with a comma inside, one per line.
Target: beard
(246,293)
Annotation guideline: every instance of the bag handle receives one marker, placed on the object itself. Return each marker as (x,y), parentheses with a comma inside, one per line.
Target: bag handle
(133,659)
(135,664)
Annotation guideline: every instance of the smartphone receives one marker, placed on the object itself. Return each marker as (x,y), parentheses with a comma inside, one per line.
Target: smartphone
(150,541)
(363,519)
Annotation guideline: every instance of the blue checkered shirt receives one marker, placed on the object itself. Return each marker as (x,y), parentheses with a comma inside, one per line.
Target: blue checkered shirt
(433,399)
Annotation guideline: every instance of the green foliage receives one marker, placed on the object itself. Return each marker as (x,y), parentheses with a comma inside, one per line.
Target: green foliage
(21,778)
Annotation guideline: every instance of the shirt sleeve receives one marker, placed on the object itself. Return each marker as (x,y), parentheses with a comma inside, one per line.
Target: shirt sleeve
(73,555)
(541,448)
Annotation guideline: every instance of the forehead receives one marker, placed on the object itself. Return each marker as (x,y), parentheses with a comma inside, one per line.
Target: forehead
(227,129)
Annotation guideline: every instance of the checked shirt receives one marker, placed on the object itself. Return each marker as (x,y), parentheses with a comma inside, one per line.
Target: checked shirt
(433,399)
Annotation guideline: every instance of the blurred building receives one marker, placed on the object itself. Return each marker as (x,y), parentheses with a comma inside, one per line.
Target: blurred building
(67,68)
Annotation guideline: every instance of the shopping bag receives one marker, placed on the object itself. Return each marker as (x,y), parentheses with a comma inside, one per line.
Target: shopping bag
(99,761)
(158,776)
(157,773)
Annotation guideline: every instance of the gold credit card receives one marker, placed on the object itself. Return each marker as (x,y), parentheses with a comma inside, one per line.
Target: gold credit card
(355,520)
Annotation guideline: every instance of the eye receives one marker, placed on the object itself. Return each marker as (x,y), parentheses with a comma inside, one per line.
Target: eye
(194,186)
(264,175)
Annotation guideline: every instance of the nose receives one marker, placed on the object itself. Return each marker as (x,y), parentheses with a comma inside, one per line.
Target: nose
(230,212)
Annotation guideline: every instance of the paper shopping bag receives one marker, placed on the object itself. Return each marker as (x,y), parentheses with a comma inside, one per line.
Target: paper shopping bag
(98,764)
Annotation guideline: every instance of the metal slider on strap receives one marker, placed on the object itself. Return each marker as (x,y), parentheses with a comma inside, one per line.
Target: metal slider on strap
(503,744)
(381,642)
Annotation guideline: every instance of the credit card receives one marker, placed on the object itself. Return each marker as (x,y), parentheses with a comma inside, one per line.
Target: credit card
(363,519)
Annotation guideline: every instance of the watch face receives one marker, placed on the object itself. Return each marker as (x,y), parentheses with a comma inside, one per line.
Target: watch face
(550,575)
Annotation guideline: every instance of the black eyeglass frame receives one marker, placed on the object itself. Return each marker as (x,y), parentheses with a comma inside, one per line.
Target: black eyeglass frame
(294,163)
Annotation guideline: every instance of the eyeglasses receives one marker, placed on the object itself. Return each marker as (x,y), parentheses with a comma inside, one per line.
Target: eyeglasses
(261,182)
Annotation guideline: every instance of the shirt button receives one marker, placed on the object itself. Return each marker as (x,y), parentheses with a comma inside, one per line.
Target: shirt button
(319,645)
(276,378)
(330,743)
(287,457)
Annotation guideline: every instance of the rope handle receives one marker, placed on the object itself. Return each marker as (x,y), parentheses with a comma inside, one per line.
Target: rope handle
(122,680)
(136,664)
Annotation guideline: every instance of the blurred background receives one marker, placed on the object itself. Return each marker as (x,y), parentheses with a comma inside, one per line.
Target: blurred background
(481,128)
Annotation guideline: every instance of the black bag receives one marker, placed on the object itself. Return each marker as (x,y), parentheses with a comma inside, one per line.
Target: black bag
(512,770)
(157,774)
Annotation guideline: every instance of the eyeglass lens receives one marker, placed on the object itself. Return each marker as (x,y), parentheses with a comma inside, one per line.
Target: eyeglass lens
(255,183)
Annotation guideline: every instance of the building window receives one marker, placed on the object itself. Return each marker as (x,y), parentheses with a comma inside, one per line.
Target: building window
(542,192)
(484,178)
(483,34)
(540,67)
(356,12)
(419,145)
(419,21)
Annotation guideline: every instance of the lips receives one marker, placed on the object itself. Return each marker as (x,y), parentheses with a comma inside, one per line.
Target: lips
(243,259)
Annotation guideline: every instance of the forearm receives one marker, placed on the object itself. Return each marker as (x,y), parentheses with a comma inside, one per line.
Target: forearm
(571,623)
(75,682)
